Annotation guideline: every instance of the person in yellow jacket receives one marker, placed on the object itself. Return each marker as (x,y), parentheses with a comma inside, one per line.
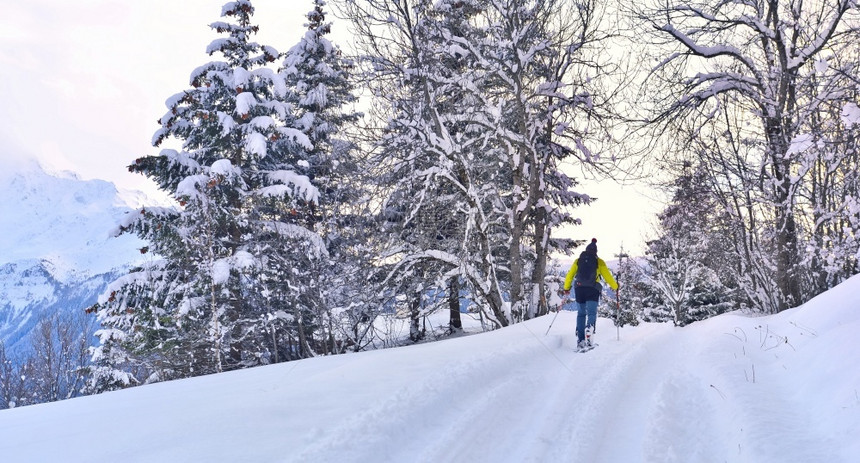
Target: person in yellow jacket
(584,276)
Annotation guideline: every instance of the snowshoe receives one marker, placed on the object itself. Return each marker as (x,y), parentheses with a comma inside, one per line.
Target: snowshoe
(588,343)
(585,347)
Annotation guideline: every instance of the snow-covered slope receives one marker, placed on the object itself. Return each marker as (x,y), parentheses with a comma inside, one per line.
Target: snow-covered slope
(63,219)
(782,388)
(56,252)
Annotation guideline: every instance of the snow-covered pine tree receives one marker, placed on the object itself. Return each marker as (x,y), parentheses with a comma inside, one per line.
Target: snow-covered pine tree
(207,302)
(626,304)
(685,288)
(322,93)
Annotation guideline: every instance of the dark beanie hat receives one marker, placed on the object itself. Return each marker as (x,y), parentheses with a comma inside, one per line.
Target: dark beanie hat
(592,247)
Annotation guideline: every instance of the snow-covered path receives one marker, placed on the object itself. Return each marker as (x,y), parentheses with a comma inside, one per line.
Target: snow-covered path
(616,402)
(734,388)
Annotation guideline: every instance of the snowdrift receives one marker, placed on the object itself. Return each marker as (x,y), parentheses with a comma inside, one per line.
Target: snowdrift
(733,388)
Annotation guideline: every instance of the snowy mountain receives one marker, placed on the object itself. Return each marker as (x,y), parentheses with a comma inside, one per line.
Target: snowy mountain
(56,252)
(735,388)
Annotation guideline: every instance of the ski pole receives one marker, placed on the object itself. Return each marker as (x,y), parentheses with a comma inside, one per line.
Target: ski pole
(617,313)
(553,318)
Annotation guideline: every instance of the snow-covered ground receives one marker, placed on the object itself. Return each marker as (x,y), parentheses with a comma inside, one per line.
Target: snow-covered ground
(782,388)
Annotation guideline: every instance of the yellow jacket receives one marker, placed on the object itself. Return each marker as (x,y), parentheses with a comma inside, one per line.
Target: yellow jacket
(602,271)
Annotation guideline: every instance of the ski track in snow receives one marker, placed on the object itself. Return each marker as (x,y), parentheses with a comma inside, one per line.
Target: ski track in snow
(446,401)
(650,395)
(587,407)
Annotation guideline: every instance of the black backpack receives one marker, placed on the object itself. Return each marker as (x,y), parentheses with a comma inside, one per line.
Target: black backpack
(586,270)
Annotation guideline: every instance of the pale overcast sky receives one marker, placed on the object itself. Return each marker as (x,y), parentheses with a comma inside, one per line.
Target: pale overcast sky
(84,82)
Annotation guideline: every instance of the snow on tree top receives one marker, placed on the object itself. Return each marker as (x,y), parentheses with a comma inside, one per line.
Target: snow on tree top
(290,181)
(188,187)
(298,136)
(201,71)
(244,102)
(221,268)
(230,8)
(255,143)
(224,167)
(227,123)
(317,96)
(240,77)
(175,99)
(277,80)
(262,122)
(219,44)
(269,50)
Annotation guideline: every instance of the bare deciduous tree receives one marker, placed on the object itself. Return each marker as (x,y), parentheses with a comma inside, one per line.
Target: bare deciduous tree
(743,71)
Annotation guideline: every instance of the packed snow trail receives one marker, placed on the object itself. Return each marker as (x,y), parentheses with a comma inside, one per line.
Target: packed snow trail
(733,388)
(581,407)
(530,397)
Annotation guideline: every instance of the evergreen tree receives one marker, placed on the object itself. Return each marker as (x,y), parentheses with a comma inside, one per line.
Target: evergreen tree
(208,302)
(625,306)
(687,282)
(322,94)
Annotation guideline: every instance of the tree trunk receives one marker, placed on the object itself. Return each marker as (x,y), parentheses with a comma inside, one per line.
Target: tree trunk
(455,324)
(516,224)
(304,346)
(787,255)
(516,263)
(415,332)
(538,305)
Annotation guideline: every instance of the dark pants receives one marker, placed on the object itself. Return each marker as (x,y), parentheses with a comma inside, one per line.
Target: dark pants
(586,303)
(586,316)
